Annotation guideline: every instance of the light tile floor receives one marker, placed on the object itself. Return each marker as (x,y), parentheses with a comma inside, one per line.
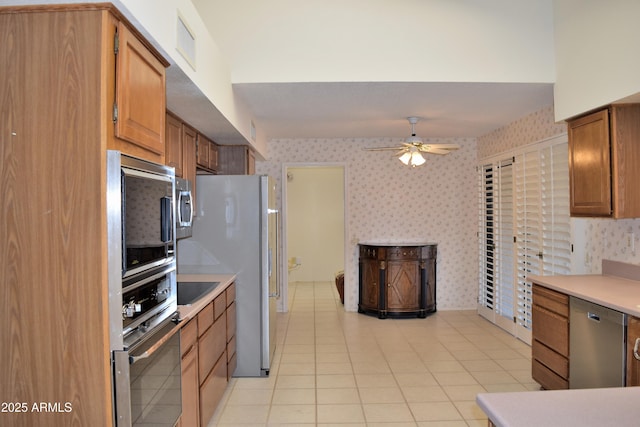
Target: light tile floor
(337,368)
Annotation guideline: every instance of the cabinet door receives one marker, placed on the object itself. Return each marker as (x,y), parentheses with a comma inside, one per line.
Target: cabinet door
(140,95)
(202,152)
(590,165)
(190,387)
(370,284)
(633,364)
(213,156)
(403,286)
(173,138)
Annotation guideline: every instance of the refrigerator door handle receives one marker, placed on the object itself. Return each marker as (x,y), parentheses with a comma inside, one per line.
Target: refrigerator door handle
(275,212)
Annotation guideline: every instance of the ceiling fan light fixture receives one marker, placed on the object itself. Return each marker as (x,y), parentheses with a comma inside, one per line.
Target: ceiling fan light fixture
(412,158)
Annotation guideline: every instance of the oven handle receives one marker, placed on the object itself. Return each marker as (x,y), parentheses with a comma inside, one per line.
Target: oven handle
(152,345)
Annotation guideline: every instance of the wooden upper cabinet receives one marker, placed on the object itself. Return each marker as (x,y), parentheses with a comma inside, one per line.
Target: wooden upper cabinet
(207,154)
(139,110)
(590,165)
(174,155)
(604,151)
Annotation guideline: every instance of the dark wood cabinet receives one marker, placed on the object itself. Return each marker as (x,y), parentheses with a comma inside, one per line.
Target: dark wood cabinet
(550,338)
(397,281)
(236,160)
(604,151)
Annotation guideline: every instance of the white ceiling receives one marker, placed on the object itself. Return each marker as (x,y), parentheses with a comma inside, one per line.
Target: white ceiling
(362,110)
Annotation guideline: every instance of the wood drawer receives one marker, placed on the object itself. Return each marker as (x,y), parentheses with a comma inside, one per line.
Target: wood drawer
(551,300)
(211,346)
(205,319)
(547,378)
(403,253)
(551,329)
(188,336)
(212,389)
(231,294)
(552,360)
(219,305)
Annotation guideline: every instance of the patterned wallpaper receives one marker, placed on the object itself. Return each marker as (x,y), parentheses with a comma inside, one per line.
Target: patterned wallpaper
(388,201)
(529,129)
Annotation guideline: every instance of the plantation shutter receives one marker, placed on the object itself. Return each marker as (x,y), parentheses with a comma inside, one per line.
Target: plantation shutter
(543,244)
(524,230)
(486,241)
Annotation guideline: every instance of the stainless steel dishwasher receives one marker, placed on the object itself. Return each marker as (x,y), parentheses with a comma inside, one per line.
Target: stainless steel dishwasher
(597,339)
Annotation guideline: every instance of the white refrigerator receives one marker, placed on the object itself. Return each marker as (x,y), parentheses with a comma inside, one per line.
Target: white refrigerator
(235,231)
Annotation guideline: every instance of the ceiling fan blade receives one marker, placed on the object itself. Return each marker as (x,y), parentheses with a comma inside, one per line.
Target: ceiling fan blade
(383,148)
(444,146)
(431,150)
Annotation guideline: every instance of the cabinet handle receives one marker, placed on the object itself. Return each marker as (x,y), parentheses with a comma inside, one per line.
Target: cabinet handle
(635,349)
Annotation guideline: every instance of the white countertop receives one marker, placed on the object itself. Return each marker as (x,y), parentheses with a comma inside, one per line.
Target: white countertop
(596,407)
(610,291)
(188,311)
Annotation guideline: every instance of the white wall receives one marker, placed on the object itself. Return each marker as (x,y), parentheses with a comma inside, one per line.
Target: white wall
(388,201)
(383,40)
(315,222)
(597,58)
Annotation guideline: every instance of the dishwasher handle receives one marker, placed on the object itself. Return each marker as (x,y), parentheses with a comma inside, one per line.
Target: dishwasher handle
(593,316)
(635,349)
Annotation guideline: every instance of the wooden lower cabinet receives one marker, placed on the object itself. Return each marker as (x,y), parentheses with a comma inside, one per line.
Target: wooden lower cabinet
(212,389)
(550,338)
(633,362)
(208,358)
(190,383)
(397,281)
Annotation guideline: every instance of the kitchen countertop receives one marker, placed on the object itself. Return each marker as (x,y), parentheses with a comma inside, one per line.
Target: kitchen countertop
(617,288)
(188,311)
(562,408)
(610,291)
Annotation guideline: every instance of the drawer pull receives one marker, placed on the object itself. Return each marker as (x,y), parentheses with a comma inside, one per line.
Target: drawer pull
(635,349)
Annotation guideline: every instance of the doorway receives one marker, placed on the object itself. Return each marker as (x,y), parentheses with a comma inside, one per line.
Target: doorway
(313,225)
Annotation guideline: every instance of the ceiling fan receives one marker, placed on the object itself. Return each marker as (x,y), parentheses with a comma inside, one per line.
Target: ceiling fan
(410,152)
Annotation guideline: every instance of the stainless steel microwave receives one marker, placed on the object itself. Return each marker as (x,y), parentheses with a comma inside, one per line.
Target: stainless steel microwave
(143,195)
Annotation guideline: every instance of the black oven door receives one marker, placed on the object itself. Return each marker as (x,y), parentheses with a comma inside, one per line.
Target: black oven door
(148,380)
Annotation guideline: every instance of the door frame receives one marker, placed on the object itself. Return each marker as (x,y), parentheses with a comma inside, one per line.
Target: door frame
(283,302)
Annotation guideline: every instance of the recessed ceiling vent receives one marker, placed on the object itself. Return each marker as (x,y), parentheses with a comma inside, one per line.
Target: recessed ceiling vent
(186,42)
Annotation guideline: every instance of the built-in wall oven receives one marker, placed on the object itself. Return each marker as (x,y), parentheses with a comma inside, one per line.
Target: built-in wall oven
(144,338)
